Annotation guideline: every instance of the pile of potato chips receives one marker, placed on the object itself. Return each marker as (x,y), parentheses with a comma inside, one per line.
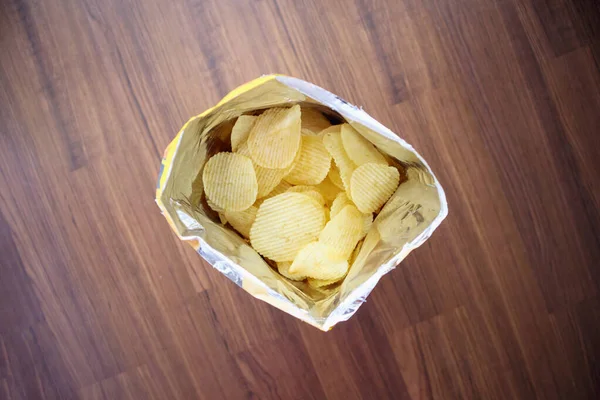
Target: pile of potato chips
(303,191)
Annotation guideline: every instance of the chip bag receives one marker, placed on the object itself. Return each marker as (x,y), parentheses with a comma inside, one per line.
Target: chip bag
(414,210)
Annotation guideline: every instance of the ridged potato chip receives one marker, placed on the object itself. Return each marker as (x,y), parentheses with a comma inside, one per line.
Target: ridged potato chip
(356,252)
(340,201)
(281,188)
(333,144)
(274,140)
(284,269)
(321,283)
(214,207)
(309,191)
(241,130)
(359,149)
(307,132)
(331,129)
(334,175)
(230,181)
(313,120)
(343,231)
(372,185)
(222,218)
(285,224)
(320,261)
(267,178)
(313,163)
(367,224)
(242,220)
(327,214)
(328,190)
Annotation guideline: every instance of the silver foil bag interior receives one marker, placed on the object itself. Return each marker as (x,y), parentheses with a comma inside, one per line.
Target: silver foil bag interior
(410,216)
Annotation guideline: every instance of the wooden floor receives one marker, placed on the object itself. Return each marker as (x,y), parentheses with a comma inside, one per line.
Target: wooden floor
(99,300)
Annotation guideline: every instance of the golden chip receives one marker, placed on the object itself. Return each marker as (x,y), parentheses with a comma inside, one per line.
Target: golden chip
(356,252)
(267,178)
(328,190)
(309,191)
(274,140)
(340,201)
(343,232)
(372,185)
(241,130)
(214,207)
(367,224)
(307,132)
(321,283)
(331,129)
(284,269)
(285,224)
(223,218)
(289,168)
(230,181)
(327,214)
(334,175)
(313,163)
(281,188)
(242,220)
(359,149)
(318,260)
(313,120)
(333,144)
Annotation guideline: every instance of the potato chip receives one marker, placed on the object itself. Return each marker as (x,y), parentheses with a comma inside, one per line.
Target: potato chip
(274,140)
(342,201)
(284,269)
(313,163)
(334,175)
(359,149)
(372,185)
(321,283)
(327,214)
(328,190)
(343,232)
(331,129)
(242,220)
(339,203)
(333,144)
(306,132)
(313,120)
(320,261)
(285,224)
(281,188)
(241,130)
(367,224)
(214,207)
(309,191)
(267,178)
(223,218)
(230,181)
(356,252)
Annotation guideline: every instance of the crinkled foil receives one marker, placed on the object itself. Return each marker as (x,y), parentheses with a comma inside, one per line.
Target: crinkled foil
(405,222)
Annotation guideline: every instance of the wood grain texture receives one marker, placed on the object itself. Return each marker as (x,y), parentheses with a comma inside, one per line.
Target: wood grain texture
(502,97)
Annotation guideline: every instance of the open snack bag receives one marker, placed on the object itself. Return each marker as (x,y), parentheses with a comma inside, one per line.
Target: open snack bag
(301,199)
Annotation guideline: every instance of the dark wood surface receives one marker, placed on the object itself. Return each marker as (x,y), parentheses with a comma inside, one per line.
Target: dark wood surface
(99,300)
